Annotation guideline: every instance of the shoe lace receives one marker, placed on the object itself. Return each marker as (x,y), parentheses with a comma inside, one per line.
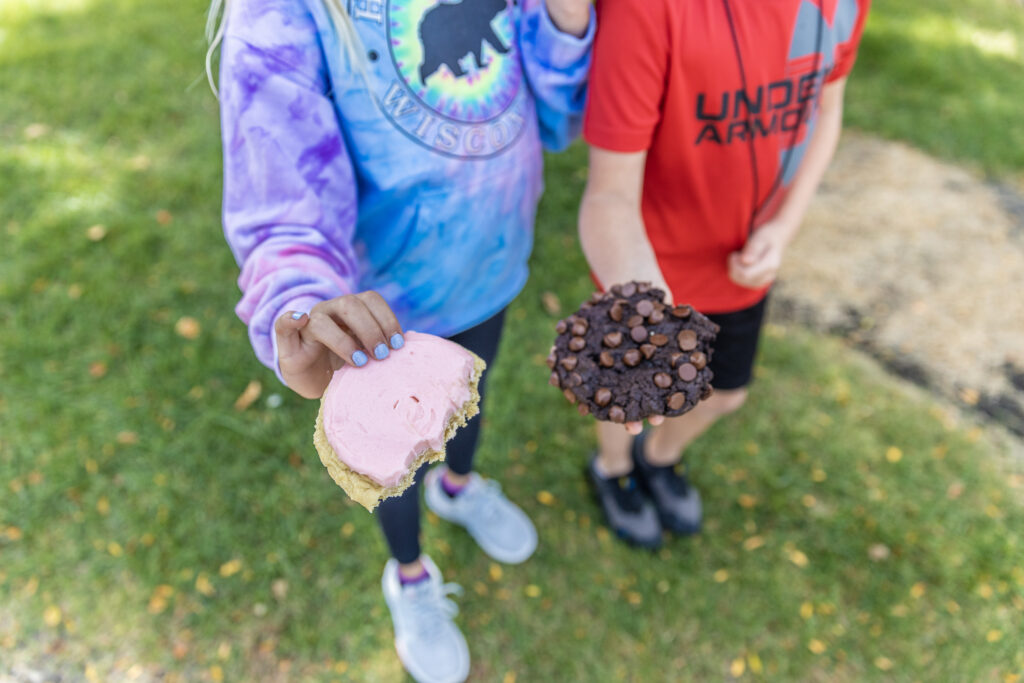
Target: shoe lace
(431,605)
(627,493)
(675,481)
(482,500)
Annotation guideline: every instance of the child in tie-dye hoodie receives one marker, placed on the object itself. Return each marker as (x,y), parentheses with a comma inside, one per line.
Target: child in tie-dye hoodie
(382,167)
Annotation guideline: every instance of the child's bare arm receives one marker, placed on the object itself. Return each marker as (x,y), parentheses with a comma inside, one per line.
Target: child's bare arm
(758,262)
(611,224)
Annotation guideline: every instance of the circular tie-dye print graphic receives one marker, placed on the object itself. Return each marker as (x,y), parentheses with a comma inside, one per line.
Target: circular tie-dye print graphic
(458,87)
(436,46)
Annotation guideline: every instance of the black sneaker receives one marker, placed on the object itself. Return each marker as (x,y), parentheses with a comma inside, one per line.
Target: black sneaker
(677,502)
(629,512)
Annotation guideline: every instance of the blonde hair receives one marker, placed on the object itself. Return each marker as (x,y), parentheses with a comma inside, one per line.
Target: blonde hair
(216,22)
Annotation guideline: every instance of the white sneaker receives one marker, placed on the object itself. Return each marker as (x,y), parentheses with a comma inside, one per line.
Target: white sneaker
(430,645)
(498,526)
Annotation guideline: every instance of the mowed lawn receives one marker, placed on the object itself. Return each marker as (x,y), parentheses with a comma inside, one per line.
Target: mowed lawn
(163,514)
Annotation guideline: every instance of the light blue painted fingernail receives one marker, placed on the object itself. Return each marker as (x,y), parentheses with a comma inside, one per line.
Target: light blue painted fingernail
(359,358)
(297,315)
(397,341)
(381,351)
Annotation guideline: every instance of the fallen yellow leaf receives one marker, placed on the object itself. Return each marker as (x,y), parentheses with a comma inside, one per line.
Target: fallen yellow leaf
(753,543)
(251,392)
(103,506)
(878,552)
(755,663)
(746,500)
(545,498)
(883,663)
(230,568)
(721,576)
(533,590)
(347,529)
(994,635)
(115,549)
(737,667)
(806,610)
(893,454)
(917,590)
(187,327)
(495,572)
(204,586)
(552,304)
(816,646)
(52,616)
(216,673)
(96,233)
(127,438)
(36,130)
(798,558)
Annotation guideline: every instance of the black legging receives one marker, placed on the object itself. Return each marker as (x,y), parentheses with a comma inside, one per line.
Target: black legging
(400,516)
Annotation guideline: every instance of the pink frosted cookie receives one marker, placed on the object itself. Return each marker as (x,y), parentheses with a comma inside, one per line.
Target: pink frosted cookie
(378,424)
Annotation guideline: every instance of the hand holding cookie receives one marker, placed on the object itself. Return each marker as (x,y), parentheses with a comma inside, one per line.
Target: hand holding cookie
(346,330)
(626,356)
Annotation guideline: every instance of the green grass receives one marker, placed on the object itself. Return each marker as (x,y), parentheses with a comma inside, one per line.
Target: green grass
(145,522)
(945,76)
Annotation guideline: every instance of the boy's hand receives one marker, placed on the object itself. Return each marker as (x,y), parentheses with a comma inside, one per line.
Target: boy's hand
(570,16)
(757,264)
(351,329)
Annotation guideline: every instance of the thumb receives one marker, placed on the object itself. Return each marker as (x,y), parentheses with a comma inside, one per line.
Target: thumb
(287,330)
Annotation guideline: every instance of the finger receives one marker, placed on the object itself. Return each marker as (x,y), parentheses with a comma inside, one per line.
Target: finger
(634,428)
(384,316)
(656,420)
(351,312)
(760,273)
(754,250)
(286,328)
(324,329)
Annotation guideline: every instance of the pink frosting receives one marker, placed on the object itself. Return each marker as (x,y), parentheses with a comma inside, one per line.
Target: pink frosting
(381,417)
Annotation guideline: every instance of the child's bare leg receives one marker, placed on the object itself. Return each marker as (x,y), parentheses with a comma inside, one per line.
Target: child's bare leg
(613,455)
(665,444)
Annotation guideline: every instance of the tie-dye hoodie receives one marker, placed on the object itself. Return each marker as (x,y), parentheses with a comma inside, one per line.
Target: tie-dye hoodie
(416,173)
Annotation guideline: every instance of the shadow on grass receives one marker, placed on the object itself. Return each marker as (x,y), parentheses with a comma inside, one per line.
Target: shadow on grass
(948,82)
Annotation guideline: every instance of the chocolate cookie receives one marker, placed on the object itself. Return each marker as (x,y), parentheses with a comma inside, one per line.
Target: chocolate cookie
(625,355)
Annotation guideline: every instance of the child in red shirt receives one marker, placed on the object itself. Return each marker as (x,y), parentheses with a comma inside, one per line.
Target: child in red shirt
(711,123)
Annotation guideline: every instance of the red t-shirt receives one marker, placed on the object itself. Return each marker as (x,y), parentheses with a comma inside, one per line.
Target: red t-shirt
(666,78)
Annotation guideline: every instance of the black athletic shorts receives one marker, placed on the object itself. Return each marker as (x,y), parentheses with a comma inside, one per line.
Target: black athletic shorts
(736,345)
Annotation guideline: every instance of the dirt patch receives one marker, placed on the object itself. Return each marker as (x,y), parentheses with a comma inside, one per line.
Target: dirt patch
(921,264)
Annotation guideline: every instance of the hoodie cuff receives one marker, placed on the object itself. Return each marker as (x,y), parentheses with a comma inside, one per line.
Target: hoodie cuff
(559,50)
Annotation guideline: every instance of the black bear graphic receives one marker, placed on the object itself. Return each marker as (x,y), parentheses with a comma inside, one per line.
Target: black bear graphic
(451,30)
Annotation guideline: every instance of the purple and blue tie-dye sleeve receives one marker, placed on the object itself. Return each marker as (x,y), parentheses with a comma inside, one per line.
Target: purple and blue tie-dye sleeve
(289,186)
(556,65)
